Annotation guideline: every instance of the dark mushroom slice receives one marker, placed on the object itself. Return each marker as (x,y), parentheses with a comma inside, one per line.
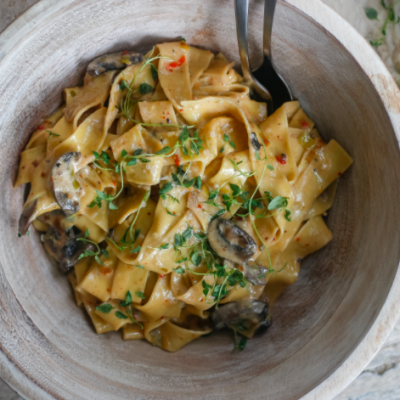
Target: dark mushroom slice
(254,141)
(255,273)
(246,317)
(65,187)
(113,62)
(64,247)
(57,219)
(230,242)
(27,216)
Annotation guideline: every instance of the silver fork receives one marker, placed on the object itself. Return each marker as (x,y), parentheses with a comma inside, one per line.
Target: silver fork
(265,83)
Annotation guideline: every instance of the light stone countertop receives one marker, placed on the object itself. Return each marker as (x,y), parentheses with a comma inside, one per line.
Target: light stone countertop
(381,379)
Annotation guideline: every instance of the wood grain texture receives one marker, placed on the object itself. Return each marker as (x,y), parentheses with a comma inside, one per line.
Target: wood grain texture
(327,326)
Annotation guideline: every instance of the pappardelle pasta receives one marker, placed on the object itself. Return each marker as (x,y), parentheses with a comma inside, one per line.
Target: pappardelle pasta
(175,205)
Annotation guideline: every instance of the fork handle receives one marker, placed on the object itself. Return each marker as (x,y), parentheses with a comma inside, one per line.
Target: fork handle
(241,12)
(269,10)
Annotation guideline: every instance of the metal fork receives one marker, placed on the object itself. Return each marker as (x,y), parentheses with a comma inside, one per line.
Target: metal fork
(265,83)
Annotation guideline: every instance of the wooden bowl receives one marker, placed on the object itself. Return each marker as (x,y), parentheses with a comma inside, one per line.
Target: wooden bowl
(327,326)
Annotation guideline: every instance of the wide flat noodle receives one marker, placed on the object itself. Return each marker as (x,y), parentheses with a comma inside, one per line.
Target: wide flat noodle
(313,235)
(93,94)
(165,227)
(30,160)
(162,303)
(173,71)
(327,164)
(98,279)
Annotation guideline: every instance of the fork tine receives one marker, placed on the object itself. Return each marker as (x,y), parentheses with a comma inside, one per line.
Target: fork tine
(241,12)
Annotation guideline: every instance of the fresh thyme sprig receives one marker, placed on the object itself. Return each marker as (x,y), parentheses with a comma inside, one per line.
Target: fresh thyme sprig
(109,198)
(91,253)
(119,168)
(372,14)
(125,243)
(127,304)
(52,133)
(249,209)
(200,252)
(271,270)
(164,246)
(231,277)
(195,145)
(215,192)
(127,104)
(104,157)
(227,140)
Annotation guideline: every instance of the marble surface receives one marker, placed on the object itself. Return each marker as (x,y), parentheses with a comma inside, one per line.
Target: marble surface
(381,378)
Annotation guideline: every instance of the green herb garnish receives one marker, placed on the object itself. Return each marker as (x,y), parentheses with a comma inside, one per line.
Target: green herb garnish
(105,308)
(120,315)
(90,253)
(140,294)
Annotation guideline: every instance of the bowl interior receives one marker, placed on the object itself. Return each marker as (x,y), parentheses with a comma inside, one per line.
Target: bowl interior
(317,322)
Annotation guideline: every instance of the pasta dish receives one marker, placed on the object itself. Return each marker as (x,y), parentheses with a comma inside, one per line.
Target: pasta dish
(175,206)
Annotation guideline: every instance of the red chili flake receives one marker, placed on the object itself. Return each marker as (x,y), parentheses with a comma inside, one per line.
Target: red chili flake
(114,183)
(42,174)
(162,276)
(181,110)
(47,122)
(282,159)
(177,161)
(162,318)
(105,270)
(266,141)
(304,124)
(339,173)
(298,239)
(124,53)
(35,163)
(199,206)
(201,299)
(175,64)
(41,127)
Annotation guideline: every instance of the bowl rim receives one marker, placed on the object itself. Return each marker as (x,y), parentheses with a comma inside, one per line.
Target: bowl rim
(389,93)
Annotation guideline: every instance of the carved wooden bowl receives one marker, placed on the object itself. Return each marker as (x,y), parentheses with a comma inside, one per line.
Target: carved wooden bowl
(327,326)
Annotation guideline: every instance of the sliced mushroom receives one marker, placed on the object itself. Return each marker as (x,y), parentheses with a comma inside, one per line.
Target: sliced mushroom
(113,61)
(254,141)
(246,317)
(65,187)
(57,219)
(26,218)
(64,247)
(256,274)
(230,242)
